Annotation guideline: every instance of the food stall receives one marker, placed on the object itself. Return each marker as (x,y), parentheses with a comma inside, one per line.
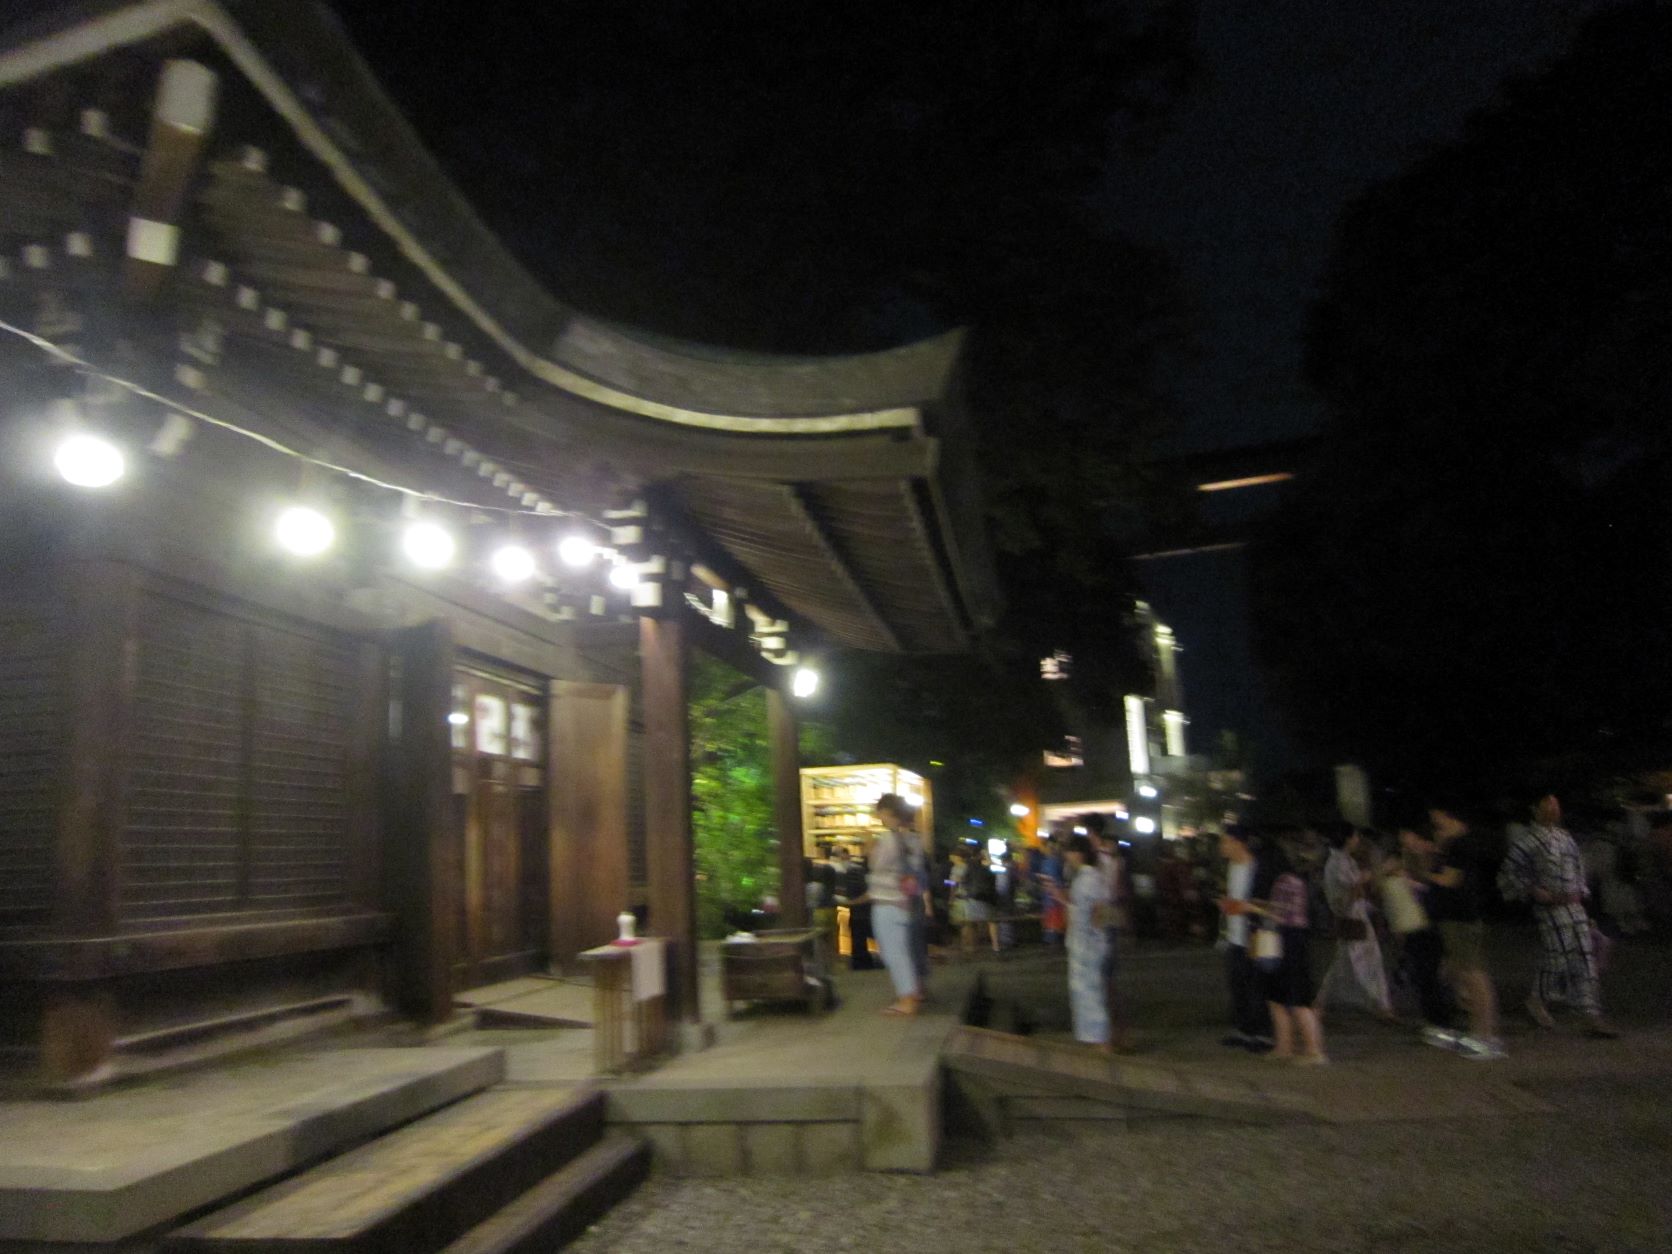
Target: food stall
(838,806)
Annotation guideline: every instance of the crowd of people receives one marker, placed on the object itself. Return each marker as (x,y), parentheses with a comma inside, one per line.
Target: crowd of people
(1403,915)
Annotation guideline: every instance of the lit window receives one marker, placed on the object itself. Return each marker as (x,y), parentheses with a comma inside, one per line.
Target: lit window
(490,724)
(525,732)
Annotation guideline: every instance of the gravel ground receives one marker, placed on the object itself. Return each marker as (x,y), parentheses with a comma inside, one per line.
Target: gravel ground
(1592,1178)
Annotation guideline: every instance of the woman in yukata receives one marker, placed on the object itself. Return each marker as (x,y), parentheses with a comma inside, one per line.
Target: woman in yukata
(1356,974)
(1087,899)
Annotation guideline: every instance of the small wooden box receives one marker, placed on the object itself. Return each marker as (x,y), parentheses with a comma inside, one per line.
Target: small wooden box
(779,965)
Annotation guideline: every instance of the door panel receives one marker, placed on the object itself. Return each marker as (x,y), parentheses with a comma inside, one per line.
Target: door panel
(497,725)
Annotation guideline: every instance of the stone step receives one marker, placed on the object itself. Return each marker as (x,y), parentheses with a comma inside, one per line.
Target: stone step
(415,1189)
(563,1205)
(142,1158)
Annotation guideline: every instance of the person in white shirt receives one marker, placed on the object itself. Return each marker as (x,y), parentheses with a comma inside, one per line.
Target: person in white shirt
(1250,1020)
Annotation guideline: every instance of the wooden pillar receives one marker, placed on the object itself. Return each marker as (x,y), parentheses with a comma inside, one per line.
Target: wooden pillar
(420,854)
(664,656)
(368,724)
(78,1024)
(786,808)
(103,624)
(586,784)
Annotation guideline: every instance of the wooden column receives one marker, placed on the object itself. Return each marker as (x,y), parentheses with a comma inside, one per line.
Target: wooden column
(664,656)
(368,729)
(78,1024)
(586,784)
(421,853)
(103,624)
(786,808)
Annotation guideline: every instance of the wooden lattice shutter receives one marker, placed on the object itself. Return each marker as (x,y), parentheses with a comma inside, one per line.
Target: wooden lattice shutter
(31,696)
(181,847)
(299,747)
(237,798)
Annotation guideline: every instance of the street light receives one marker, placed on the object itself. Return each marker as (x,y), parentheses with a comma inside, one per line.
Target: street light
(805,682)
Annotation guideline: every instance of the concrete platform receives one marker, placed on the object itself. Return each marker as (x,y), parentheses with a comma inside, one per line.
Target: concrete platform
(134,1159)
(779,1091)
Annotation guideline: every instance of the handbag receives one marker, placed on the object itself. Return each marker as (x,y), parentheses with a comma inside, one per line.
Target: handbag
(1266,948)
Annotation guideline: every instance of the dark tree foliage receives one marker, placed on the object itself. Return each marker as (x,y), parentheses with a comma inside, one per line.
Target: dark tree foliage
(771,175)
(1474,581)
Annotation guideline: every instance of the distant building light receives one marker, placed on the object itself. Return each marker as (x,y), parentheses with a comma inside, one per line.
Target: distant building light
(1144,825)
(1251,481)
(1137,735)
(978,823)
(1056,666)
(1174,722)
(1148,791)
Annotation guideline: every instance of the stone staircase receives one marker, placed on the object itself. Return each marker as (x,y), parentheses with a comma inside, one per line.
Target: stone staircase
(506,1170)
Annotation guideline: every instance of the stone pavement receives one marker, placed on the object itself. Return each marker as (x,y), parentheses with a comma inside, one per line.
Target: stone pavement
(1562,1147)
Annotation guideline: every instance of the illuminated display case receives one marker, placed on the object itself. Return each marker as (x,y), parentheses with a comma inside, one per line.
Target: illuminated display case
(837,803)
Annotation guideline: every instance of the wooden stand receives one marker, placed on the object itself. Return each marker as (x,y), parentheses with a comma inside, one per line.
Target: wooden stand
(628,1030)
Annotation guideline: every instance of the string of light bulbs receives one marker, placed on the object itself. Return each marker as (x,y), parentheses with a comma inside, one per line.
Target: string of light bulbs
(88,460)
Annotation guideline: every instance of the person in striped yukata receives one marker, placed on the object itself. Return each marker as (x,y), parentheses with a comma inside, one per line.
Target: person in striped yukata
(1544,867)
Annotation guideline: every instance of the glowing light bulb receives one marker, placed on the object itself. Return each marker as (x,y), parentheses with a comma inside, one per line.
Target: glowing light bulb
(1147,790)
(805,682)
(512,563)
(576,551)
(304,531)
(625,577)
(1018,810)
(1143,825)
(429,545)
(88,461)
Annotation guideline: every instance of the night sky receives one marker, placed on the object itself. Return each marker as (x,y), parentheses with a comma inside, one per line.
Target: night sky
(1300,105)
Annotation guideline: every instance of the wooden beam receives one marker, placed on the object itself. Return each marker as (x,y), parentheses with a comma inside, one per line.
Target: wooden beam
(422,853)
(786,808)
(586,785)
(807,512)
(181,120)
(664,656)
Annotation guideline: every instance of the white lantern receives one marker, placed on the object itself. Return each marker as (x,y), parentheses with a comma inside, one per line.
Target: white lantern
(89,461)
(512,563)
(428,545)
(304,531)
(577,551)
(805,682)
